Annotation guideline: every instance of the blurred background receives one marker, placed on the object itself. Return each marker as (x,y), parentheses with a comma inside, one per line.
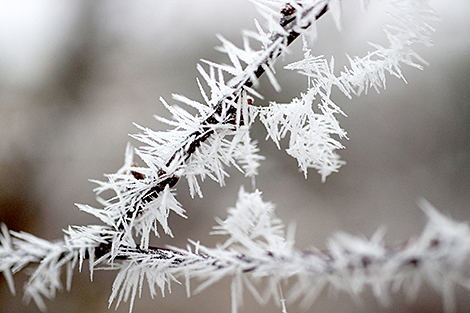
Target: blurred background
(75,75)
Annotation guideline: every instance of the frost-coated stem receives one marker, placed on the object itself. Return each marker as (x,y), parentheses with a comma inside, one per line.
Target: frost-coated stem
(439,256)
(201,145)
(226,112)
(244,81)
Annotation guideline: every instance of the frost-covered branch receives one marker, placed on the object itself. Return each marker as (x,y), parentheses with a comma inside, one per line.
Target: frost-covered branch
(204,144)
(200,145)
(310,120)
(50,258)
(227,107)
(258,250)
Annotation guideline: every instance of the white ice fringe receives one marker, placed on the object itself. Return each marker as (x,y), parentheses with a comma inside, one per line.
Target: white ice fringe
(257,250)
(311,120)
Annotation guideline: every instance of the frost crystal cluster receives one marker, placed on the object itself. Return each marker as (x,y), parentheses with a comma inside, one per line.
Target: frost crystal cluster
(218,136)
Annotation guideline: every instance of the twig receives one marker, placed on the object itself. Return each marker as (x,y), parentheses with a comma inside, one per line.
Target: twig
(246,81)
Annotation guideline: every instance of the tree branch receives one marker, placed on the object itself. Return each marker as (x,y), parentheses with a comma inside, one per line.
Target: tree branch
(245,81)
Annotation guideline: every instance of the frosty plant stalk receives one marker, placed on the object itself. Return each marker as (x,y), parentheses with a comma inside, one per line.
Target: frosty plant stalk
(203,145)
